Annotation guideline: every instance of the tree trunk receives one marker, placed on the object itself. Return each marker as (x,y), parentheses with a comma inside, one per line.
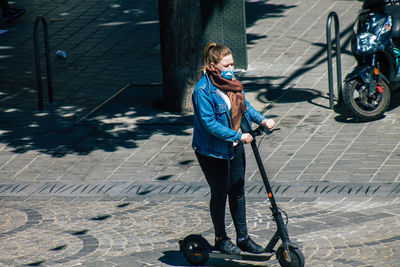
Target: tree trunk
(180,37)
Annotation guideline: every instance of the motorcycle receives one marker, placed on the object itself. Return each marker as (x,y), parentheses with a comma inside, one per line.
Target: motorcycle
(376,47)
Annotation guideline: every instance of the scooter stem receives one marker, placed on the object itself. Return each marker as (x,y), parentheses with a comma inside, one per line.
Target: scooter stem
(282,230)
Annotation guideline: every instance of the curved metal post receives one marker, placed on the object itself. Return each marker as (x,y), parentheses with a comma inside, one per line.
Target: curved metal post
(338,57)
(37,60)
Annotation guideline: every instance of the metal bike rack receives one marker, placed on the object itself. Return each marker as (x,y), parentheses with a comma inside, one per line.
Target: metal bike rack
(338,58)
(37,61)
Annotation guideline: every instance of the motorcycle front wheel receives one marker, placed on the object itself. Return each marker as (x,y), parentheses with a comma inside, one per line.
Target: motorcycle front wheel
(362,106)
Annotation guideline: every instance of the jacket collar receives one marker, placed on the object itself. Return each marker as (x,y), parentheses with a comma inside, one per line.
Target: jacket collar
(211,86)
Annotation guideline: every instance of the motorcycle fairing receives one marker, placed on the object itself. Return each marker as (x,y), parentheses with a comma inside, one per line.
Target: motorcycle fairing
(363,72)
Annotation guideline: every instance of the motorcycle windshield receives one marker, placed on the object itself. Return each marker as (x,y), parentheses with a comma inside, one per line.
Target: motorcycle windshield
(369,22)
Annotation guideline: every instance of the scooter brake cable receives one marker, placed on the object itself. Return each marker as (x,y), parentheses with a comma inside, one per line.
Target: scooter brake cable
(287,217)
(262,139)
(267,131)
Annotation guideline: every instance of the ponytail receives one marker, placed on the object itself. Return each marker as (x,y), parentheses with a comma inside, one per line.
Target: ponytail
(214,53)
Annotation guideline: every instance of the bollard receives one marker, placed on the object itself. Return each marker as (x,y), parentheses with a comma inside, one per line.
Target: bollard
(37,61)
(338,58)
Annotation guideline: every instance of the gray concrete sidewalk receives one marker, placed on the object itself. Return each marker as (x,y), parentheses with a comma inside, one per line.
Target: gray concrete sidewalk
(104,177)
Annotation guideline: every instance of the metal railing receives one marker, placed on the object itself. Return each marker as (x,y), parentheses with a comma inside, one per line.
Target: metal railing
(338,58)
(37,61)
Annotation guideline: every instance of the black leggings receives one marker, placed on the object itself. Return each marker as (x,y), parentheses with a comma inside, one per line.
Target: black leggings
(226,178)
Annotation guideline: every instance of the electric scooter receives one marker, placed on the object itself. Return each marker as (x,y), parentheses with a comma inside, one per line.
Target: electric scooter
(197,250)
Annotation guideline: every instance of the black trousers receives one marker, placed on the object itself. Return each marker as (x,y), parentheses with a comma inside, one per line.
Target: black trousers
(226,180)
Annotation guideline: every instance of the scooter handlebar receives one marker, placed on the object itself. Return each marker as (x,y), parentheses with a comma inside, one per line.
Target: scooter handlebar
(262,129)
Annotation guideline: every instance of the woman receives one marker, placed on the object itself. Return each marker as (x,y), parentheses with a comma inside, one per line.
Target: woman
(220,115)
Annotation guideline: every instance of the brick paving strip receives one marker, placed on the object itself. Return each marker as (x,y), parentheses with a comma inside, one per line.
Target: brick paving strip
(190,190)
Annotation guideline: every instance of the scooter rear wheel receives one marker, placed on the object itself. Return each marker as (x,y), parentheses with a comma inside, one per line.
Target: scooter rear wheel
(194,248)
(297,257)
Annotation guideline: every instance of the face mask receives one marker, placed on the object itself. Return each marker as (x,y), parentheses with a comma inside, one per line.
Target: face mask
(227,74)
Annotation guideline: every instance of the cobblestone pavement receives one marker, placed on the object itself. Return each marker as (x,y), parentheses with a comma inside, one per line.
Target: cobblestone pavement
(104,177)
(134,232)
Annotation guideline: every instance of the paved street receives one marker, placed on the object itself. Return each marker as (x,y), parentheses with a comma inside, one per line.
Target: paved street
(105,177)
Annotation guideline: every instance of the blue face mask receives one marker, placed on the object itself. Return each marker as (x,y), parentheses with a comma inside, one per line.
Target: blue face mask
(227,74)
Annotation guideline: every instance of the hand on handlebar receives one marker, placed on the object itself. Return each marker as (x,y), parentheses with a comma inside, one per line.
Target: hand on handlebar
(246,138)
(264,129)
(269,123)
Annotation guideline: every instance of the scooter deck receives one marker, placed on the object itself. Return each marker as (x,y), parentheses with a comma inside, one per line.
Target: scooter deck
(242,256)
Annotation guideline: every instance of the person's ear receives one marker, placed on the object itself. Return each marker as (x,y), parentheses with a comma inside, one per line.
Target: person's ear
(212,66)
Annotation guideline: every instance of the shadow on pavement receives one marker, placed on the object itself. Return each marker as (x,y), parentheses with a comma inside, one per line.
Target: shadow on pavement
(276,91)
(395,100)
(131,116)
(135,114)
(100,59)
(176,258)
(256,10)
(273,92)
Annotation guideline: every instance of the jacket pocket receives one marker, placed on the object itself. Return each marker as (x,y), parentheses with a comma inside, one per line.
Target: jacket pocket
(220,109)
(222,116)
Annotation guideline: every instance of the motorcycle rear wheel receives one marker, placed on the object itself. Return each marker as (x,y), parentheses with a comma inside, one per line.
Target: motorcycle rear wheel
(362,107)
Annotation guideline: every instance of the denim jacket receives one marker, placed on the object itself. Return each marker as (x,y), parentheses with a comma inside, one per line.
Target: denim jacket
(213,135)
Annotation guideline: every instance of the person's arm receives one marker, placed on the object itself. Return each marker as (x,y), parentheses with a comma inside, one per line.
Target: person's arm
(258,118)
(255,116)
(203,107)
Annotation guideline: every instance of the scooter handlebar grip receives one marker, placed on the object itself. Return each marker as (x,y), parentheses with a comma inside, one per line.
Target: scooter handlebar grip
(266,130)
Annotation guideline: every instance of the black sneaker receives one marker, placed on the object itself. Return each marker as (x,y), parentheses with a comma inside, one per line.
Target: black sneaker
(12,13)
(249,245)
(226,246)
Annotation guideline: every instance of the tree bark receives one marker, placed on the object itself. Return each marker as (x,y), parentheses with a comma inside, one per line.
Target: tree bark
(180,38)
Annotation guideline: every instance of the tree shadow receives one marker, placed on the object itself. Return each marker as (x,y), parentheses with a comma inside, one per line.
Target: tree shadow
(269,92)
(126,119)
(320,57)
(96,66)
(252,38)
(257,10)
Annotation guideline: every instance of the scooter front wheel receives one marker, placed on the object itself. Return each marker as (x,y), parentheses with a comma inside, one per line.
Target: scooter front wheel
(297,257)
(194,248)
(361,105)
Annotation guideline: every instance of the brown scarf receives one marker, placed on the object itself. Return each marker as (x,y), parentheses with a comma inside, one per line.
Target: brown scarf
(234,90)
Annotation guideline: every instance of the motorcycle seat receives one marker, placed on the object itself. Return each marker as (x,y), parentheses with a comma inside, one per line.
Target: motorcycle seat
(394,11)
